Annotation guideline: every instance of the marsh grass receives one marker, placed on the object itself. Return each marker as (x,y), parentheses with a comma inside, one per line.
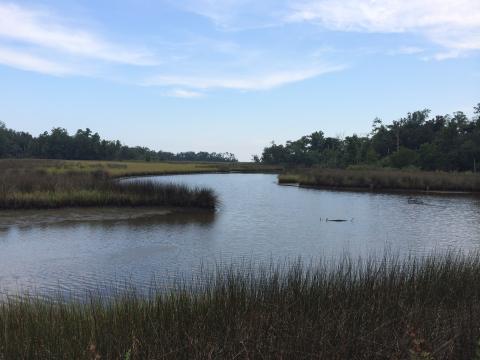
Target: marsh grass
(133,168)
(425,308)
(384,180)
(26,188)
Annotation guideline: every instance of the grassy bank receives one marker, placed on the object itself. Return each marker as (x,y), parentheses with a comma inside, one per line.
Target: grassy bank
(392,309)
(133,168)
(38,184)
(383,180)
(28,188)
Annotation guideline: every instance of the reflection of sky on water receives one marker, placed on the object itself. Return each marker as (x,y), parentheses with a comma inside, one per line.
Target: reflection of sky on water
(257,220)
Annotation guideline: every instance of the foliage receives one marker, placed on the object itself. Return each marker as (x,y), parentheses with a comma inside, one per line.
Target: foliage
(86,145)
(445,142)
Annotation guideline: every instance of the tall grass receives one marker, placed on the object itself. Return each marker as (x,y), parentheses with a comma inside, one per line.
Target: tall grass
(389,309)
(39,189)
(384,179)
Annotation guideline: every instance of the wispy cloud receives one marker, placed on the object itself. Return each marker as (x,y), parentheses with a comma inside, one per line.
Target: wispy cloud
(249,82)
(407,50)
(25,61)
(43,29)
(446,55)
(238,14)
(38,39)
(452,24)
(184,94)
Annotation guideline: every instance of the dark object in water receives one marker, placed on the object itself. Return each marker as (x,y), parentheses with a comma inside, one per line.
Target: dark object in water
(415,201)
(336,220)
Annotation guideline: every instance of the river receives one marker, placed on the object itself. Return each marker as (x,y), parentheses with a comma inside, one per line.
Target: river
(257,220)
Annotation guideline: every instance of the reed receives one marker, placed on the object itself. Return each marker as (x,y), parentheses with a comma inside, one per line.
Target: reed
(39,189)
(386,179)
(426,308)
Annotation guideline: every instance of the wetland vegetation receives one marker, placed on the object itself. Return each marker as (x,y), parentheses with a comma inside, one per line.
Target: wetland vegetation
(40,189)
(41,184)
(382,179)
(423,308)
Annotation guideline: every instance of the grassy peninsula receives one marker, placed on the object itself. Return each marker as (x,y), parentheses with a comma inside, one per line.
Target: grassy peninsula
(38,187)
(427,308)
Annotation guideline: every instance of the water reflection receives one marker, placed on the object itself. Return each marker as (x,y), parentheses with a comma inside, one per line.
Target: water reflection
(102,218)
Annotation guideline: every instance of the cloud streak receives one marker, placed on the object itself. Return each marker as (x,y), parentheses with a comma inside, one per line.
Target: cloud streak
(452,24)
(44,30)
(25,61)
(246,83)
(184,94)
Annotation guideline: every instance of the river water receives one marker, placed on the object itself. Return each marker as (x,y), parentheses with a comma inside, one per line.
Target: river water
(257,220)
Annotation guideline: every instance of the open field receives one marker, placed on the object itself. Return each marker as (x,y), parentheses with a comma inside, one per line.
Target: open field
(427,308)
(383,179)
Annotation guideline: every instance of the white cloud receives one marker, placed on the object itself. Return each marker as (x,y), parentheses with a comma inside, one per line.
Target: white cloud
(446,55)
(453,24)
(43,29)
(245,83)
(25,61)
(184,94)
(407,50)
(238,14)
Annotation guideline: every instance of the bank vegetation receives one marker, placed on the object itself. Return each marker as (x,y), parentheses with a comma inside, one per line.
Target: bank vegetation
(376,179)
(37,188)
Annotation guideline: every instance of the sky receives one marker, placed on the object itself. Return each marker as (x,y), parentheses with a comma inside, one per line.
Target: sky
(233,75)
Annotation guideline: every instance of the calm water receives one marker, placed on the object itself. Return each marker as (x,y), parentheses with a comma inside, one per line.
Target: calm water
(78,250)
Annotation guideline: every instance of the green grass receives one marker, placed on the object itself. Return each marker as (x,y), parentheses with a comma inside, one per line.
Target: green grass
(389,309)
(377,179)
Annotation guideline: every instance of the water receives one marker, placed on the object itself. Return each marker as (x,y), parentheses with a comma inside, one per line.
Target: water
(84,249)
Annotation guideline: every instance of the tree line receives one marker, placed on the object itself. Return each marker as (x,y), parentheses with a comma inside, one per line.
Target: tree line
(86,145)
(442,142)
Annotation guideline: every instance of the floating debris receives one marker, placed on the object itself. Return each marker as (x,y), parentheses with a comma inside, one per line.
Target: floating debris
(415,201)
(336,220)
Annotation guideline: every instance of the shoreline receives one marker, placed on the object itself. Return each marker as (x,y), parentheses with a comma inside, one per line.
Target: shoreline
(26,218)
(385,180)
(380,191)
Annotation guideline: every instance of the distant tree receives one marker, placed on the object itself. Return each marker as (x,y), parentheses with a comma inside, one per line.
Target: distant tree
(86,145)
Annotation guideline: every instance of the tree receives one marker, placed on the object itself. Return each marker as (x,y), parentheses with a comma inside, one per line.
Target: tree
(86,145)
(444,142)
(403,157)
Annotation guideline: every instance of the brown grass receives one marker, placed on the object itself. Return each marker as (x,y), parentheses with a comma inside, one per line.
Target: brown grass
(384,179)
(23,188)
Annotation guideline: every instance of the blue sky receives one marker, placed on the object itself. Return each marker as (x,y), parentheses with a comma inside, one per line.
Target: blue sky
(233,75)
